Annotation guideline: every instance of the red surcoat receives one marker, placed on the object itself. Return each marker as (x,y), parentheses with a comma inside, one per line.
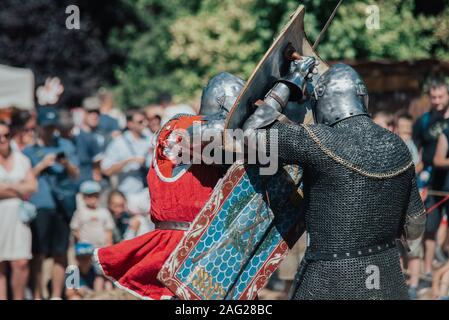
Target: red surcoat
(176,195)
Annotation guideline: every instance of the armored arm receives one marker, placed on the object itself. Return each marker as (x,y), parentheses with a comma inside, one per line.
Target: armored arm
(270,109)
(285,141)
(415,218)
(414,226)
(290,87)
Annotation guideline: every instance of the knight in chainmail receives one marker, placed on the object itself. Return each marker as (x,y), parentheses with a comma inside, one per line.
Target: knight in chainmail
(359,185)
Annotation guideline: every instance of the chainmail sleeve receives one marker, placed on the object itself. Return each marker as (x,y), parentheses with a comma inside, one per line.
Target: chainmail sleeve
(415,214)
(291,143)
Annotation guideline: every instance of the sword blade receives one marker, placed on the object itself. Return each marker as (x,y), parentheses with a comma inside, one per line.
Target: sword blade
(326,26)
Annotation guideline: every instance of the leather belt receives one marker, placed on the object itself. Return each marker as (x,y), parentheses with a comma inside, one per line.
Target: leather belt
(316,256)
(172,225)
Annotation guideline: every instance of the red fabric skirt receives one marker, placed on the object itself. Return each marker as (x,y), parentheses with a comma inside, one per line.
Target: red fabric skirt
(134,264)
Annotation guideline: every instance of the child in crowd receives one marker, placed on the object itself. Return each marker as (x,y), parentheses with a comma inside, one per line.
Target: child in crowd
(90,223)
(385,119)
(127,225)
(83,279)
(404,129)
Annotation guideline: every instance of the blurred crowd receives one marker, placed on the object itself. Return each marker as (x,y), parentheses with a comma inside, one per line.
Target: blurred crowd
(425,261)
(72,181)
(75,180)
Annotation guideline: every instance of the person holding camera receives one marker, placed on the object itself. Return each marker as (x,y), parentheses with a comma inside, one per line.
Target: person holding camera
(55,165)
(90,144)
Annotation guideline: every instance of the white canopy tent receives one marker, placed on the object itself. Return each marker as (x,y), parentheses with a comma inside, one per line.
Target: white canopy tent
(16,88)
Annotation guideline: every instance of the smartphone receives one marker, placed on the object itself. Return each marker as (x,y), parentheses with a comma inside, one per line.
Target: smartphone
(60,156)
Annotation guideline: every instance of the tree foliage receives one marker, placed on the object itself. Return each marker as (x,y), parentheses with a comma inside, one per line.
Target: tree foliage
(145,43)
(33,34)
(141,48)
(193,43)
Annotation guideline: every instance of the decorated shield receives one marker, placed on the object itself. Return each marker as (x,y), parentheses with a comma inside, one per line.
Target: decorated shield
(240,236)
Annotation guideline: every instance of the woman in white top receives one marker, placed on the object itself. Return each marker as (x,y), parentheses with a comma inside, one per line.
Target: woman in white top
(16,182)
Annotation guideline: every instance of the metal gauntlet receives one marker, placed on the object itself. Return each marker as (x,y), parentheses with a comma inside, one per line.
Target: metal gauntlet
(300,72)
(414,226)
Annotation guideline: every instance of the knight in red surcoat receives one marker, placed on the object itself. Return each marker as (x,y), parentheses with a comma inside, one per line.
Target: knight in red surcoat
(178,192)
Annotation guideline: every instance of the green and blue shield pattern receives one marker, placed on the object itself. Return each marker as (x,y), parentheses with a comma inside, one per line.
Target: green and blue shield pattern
(239,238)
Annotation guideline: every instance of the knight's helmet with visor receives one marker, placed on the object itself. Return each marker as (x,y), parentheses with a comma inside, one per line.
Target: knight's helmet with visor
(340,93)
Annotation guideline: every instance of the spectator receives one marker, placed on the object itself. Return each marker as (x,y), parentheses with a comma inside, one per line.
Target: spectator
(104,126)
(129,157)
(89,280)
(127,225)
(440,283)
(385,119)
(427,131)
(117,208)
(404,129)
(154,124)
(55,164)
(154,116)
(90,144)
(90,223)
(23,127)
(107,125)
(16,182)
(66,125)
(110,117)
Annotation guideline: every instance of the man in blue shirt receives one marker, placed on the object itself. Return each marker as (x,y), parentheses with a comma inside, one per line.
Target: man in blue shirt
(90,143)
(106,126)
(55,165)
(129,156)
(426,132)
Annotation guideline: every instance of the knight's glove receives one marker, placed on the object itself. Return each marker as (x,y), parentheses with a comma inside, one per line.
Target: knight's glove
(414,226)
(301,71)
(413,231)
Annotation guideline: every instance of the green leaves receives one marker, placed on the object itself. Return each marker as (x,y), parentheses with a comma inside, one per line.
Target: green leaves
(176,46)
